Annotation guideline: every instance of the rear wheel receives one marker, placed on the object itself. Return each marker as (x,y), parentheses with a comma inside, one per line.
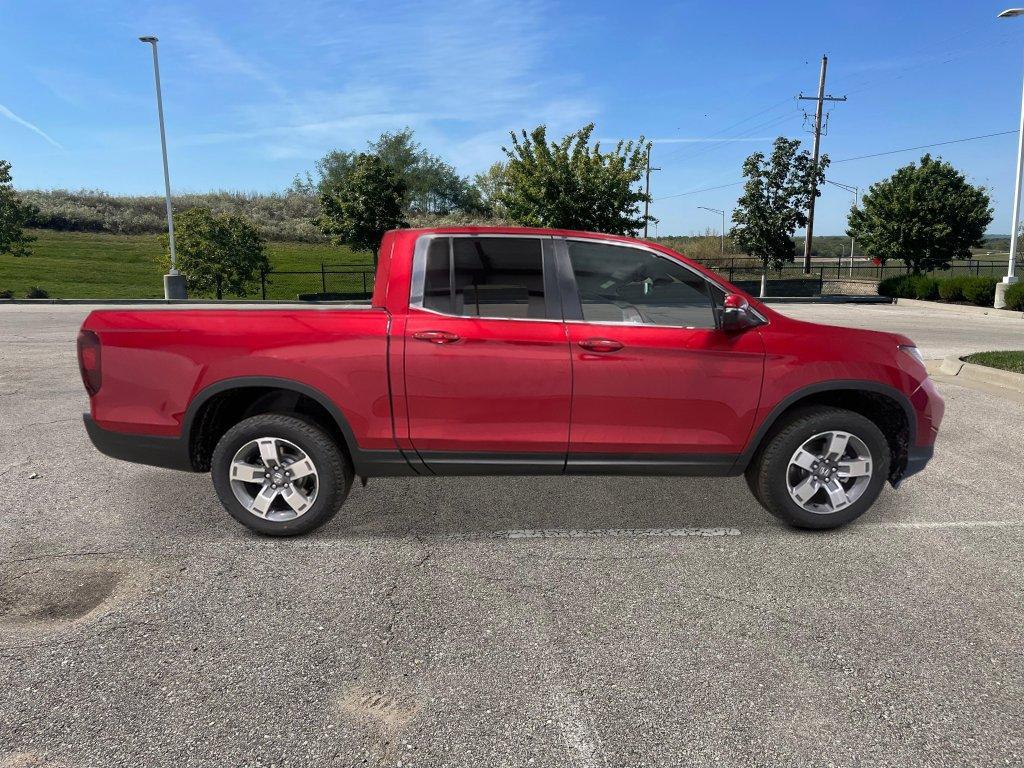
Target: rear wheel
(280,475)
(821,468)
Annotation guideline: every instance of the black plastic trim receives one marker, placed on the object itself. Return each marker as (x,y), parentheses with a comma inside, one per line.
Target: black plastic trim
(917,459)
(493,463)
(814,389)
(508,463)
(167,452)
(677,464)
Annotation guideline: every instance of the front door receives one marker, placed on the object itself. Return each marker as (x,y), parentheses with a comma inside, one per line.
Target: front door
(656,385)
(487,369)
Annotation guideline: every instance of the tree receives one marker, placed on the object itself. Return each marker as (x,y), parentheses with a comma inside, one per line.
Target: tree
(774,201)
(14,215)
(925,214)
(490,185)
(365,205)
(431,185)
(571,185)
(218,253)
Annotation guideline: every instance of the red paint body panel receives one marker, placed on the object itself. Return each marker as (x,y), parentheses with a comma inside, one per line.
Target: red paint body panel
(504,385)
(667,390)
(157,360)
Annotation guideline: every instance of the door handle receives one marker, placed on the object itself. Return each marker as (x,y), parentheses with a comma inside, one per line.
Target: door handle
(436,337)
(601,345)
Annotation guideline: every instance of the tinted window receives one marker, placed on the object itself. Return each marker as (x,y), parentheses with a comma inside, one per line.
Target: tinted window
(493,277)
(436,283)
(629,285)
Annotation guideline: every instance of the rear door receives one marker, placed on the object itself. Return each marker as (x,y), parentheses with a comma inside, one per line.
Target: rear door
(657,385)
(487,369)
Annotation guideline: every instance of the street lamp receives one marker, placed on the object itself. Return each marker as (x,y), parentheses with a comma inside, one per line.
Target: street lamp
(1010,278)
(174,283)
(715,210)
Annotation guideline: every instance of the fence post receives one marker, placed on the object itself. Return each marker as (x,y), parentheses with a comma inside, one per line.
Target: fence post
(323,278)
(220,294)
(821,280)
(263,284)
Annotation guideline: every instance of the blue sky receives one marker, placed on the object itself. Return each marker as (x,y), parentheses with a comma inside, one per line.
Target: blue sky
(254,93)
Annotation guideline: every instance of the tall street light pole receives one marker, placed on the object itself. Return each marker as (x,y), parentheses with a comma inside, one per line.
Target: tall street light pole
(1011,278)
(715,210)
(174,283)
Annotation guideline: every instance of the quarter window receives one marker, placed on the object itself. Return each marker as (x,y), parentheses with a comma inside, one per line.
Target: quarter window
(485,277)
(618,284)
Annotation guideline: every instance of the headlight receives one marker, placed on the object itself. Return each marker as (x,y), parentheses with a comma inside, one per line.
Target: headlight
(913,351)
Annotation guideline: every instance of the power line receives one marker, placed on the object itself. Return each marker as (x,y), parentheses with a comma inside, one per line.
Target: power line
(925,146)
(696,191)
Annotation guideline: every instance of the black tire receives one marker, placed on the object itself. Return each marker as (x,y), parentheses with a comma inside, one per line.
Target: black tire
(767,473)
(334,471)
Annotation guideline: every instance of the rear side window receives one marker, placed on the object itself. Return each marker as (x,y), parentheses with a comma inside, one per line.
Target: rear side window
(618,284)
(485,277)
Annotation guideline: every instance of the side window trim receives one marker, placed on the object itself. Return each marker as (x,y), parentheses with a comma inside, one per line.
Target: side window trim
(570,292)
(549,266)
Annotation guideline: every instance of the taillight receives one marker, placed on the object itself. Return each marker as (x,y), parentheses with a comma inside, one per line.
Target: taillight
(89,361)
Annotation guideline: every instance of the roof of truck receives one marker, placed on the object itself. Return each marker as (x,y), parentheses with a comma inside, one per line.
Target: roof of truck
(475,230)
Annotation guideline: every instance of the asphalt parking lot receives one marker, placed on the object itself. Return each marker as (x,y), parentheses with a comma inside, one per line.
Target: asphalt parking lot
(507,622)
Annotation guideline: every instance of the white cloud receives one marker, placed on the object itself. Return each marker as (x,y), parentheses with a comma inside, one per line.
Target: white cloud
(26,124)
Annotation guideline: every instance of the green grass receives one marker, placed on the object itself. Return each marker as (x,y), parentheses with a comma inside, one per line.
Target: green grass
(1007,361)
(86,265)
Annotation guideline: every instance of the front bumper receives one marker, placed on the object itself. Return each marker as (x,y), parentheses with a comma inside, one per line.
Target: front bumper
(167,452)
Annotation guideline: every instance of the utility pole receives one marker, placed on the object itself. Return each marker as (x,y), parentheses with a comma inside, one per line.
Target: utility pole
(821,98)
(647,190)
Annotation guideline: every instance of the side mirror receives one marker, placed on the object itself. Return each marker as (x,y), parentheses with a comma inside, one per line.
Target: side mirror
(737,314)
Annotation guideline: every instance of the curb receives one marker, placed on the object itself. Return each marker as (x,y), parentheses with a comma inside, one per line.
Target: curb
(954,366)
(960,309)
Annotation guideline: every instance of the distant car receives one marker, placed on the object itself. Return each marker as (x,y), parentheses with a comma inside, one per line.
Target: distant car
(510,351)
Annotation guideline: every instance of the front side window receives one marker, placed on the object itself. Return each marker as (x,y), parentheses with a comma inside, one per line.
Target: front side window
(618,284)
(501,277)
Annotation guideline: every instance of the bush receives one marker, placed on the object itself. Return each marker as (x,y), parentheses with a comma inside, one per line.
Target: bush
(909,287)
(5,294)
(980,290)
(1015,297)
(895,287)
(36,293)
(952,289)
(924,287)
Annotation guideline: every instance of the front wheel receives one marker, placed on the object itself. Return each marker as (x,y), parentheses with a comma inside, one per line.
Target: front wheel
(822,468)
(280,475)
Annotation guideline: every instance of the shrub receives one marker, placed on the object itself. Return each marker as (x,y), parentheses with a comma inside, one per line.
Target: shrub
(980,291)
(895,287)
(36,293)
(924,287)
(1015,297)
(5,294)
(952,289)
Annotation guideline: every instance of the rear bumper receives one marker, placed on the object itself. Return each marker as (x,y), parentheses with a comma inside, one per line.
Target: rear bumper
(167,452)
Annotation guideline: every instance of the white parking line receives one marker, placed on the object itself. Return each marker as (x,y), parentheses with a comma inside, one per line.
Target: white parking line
(923,524)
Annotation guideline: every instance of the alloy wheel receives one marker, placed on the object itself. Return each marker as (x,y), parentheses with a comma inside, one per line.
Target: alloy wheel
(829,472)
(274,479)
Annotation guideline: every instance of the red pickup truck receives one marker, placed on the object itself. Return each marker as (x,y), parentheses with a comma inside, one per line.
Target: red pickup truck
(489,351)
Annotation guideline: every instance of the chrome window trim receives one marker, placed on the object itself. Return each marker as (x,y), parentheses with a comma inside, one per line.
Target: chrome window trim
(419,273)
(654,252)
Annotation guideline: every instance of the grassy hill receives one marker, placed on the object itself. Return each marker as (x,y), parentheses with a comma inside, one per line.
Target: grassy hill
(85,265)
